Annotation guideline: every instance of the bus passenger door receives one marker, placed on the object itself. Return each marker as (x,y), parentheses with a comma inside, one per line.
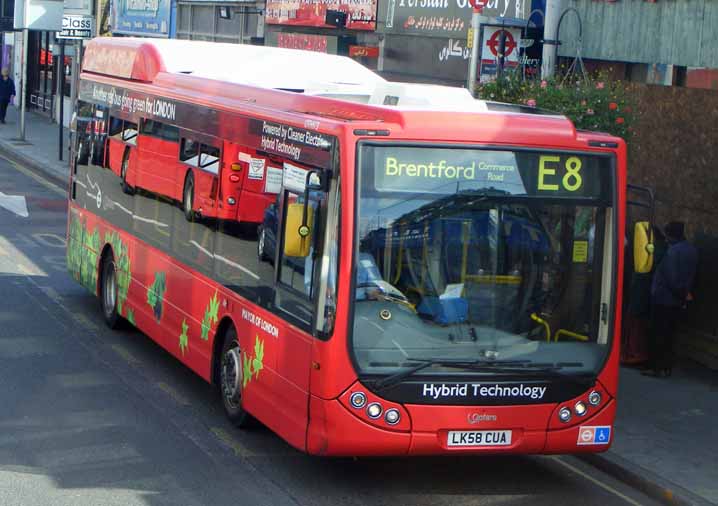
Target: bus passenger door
(207,179)
(297,290)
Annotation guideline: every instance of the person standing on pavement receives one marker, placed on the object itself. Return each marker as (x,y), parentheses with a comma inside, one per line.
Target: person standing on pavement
(670,292)
(7,93)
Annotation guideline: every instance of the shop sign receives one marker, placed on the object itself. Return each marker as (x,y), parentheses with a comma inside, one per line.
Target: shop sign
(76,27)
(360,14)
(490,49)
(149,18)
(427,56)
(364,51)
(304,41)
(444,18)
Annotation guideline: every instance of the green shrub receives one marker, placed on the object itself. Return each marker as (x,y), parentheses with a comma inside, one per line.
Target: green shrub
(598,104)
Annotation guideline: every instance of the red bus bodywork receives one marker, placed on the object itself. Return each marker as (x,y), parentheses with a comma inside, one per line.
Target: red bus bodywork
(302,392)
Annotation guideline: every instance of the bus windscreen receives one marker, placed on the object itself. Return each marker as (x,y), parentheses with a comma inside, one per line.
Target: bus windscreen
(468,254)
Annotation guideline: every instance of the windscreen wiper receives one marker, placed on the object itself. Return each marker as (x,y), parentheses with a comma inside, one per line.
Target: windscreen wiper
(551,370)
(424,363)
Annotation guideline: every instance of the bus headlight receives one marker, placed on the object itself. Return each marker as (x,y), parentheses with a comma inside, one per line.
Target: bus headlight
(392,416)
(564,414)
(374,410)
(594,398)
(358,399)
(580,408)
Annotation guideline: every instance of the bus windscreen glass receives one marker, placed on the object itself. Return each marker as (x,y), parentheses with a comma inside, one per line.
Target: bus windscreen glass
(481,255)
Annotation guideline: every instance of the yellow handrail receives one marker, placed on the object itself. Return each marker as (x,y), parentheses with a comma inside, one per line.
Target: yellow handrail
(543,322)
(564,332)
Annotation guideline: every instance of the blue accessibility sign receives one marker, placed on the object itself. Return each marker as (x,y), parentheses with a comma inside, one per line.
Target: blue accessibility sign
(602,435)
(594,435)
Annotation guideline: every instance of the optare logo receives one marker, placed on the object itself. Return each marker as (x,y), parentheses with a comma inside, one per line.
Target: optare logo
(474,418)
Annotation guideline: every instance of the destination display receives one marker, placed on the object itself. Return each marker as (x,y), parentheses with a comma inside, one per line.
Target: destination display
(447,171)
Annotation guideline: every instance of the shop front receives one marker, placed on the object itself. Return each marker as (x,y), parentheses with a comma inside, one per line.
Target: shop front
(143,18)
(343,27)
(221,21)
(427,41)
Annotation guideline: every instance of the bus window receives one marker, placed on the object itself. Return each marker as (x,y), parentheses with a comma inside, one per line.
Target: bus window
(296,274)
(129,132)
(209,158)
(115,126)
(189,151)
(160,130)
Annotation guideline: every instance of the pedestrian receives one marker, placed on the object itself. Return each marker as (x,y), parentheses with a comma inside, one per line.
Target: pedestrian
(7,93)
(670,292)
(634,349)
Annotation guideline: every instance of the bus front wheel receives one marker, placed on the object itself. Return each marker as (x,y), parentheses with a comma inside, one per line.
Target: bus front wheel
(108,292)
(230,380)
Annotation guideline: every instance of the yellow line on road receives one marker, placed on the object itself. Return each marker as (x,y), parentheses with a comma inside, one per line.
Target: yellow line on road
(125,354)
(45,182)
(595,481)
(176,396)
(238,448)
(84,321)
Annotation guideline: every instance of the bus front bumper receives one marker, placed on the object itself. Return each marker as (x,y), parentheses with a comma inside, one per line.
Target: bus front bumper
(336,429)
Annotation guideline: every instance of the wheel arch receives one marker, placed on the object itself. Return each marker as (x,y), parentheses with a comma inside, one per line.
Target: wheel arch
(219,336)
(106,252)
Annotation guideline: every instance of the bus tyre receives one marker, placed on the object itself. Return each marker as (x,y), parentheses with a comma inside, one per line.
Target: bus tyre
(108,292)
(230,380)
(262,245)
(188,197)
(123,173)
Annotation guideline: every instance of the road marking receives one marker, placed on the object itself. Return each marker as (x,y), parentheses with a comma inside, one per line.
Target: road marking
(593,480)
(83,320)
(176,396)
(238,448)
(125,354)
(15,204)
(44,182)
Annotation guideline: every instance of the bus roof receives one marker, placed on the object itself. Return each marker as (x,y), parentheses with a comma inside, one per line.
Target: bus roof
(306,72)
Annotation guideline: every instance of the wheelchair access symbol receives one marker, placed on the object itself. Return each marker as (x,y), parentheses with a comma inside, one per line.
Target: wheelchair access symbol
(599,435)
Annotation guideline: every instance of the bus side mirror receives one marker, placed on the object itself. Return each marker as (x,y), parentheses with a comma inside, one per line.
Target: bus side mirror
(642,247)
(297,237)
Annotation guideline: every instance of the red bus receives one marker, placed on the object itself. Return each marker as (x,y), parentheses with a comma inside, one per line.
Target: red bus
(365,267)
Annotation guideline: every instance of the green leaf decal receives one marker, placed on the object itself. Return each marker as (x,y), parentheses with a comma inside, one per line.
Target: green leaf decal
(211,316)
(155,295)
(183,338)
(252,366)
(131,316)
(246,370)
(257,363)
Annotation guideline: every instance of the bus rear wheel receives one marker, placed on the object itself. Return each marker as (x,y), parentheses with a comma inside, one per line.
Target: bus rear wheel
(123,173)
(108,292)
(230,380)
(188,197)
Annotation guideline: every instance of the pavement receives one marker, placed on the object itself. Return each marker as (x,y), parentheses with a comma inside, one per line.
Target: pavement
(665,435)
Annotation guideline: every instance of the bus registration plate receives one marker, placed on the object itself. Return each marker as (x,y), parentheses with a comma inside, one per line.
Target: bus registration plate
(479,438)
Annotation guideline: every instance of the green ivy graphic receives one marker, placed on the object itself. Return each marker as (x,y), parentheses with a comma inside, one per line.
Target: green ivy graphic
(252,366)
(155,294)
(131,316)
(183,338)
(122,265)
(82,248)
(211,316)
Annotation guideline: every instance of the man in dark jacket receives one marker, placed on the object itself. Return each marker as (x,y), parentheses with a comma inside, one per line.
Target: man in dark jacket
(7,92)
(670,291)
